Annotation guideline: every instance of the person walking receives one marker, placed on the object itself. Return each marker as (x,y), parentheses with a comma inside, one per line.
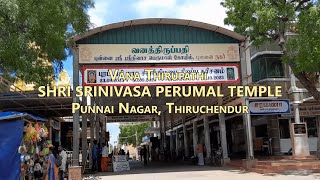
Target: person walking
(128,155)
(53,171)
(62,168)
(157,153)
(104,158)
(145,154)
(140,153)
(99,157)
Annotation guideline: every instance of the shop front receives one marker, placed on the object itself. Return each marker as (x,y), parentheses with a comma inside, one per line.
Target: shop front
(23,140)
(272,134)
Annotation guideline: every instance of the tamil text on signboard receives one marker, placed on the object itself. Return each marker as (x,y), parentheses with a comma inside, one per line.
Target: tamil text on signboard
(159,75)
(306,110)
(157,53)
(264,107)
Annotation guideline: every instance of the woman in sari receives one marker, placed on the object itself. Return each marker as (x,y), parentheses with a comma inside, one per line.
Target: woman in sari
(53,170)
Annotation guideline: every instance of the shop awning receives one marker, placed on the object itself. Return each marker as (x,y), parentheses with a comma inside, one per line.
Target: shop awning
(152,130)
(15,115)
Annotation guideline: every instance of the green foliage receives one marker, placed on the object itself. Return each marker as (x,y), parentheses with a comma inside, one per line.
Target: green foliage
(33,33)
(270,19)
(305,47)
(127,133)
(259,19)
(264,20)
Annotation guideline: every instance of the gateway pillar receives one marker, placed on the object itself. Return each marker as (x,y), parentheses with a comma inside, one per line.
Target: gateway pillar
(84,135)
(161,132)
(177,142)
(171,143)
(207,136)
(76,115)
(97,130)
(223,135)
(195,138)
(185,138)
(91,133)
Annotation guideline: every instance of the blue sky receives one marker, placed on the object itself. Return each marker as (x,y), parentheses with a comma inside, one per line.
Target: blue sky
(111,11)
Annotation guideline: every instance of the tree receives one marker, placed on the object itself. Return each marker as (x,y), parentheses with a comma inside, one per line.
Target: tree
(128,133)
(265,20)
(34,34)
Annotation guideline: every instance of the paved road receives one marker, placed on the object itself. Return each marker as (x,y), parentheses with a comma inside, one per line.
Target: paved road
(197,173)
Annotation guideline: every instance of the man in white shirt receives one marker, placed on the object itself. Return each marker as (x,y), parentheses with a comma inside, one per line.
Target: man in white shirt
(104,157)
(104,150)
(62,168)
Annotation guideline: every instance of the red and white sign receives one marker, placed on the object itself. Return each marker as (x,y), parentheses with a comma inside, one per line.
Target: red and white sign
(159,75)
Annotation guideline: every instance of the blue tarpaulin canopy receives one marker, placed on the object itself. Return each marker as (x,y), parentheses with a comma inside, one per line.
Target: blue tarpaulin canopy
(11,134)
(15,115)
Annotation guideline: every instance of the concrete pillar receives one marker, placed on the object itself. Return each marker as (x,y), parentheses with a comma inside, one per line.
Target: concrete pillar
(84,134)
(223,135)
(171,143)
(207,136)
(177,142)
(296,113)
(300,144)
(195,138)
(91,133)
(155,126)
(248,130)
(103,128)
(76,115)
(171,136)
(97,128)
(185,138)
(161,132)
(164,131)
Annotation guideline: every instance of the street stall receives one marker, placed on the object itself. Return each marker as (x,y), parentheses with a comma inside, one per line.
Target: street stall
(23,141)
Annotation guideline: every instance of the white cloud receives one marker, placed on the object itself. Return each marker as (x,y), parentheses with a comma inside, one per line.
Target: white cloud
(152,8)
(208,11)
(98,14)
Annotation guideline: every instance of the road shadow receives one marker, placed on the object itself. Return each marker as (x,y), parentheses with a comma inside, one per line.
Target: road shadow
(168,167)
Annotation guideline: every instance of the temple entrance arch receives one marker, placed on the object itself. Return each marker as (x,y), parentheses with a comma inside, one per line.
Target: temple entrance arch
(162,52)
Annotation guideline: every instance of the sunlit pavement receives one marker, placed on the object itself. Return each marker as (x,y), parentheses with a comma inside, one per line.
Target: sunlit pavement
(168,172)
